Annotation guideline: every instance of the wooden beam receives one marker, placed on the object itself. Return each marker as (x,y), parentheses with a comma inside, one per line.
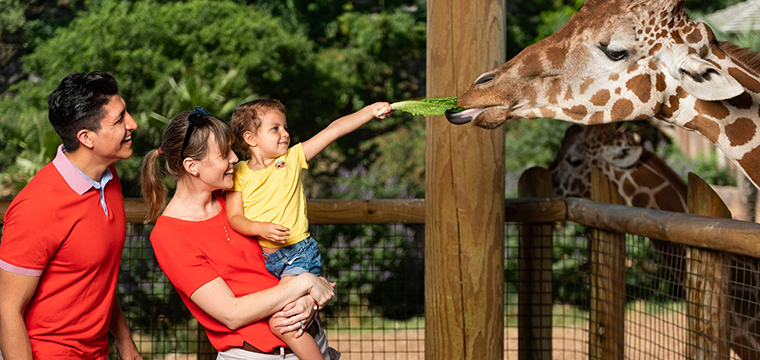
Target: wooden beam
(464,245)
(734,236)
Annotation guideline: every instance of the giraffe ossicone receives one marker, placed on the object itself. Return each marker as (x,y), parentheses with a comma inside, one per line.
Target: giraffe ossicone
(618,60)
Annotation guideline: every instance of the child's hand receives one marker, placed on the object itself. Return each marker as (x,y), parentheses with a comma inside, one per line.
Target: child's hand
(382,110)
(274,232)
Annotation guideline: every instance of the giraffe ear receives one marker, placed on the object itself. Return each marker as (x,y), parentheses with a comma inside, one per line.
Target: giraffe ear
(622,156)
(706,82)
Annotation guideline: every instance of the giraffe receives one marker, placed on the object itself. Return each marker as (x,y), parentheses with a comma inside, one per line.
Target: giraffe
(619,60)
(644,180)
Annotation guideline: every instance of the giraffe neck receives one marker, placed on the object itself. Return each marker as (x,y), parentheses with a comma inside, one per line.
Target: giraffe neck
(650,184)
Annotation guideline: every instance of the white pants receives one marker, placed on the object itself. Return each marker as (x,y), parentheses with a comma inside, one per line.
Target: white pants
(240,354)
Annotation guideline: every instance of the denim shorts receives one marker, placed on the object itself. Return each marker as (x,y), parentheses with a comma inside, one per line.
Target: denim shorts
(296,259)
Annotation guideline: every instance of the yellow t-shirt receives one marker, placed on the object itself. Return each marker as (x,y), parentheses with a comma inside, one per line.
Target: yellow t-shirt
(275,194)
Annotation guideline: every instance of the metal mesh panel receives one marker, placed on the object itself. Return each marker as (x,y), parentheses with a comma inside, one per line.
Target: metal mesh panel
(378,312)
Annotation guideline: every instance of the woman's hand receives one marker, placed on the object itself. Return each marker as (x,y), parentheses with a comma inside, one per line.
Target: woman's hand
(294,314)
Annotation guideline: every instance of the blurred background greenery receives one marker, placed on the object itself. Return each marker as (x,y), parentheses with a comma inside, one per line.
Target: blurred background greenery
(322,58)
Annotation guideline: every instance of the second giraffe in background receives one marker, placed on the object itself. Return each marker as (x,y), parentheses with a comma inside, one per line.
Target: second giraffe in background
(644,180)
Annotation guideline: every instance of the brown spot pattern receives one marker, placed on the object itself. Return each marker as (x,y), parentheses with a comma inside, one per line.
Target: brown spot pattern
(706,127)
(715,109)
(750,162)
(677,38)
(694,37)
(664,199)
(601,97)
(614,77)
(530,69)
(556,56)
(621,110)
(661,84)
(748,82)
(740,131)
(633,67)
(585,84)
(577,112)
(640,200)
(743,101)
(674,102)
(555,87)
(645,177)
(628,187)
(641,86)
(596,118)
(549,114)
(569,93)
(703,51)
(718,52)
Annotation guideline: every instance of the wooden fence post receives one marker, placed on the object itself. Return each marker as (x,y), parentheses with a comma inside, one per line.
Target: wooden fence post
(464,189)
(707,275)
(607,280)
(535,273)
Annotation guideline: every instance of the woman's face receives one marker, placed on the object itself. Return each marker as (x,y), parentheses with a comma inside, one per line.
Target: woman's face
(216,169)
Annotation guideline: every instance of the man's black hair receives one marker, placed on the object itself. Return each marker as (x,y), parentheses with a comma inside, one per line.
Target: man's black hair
(78,103)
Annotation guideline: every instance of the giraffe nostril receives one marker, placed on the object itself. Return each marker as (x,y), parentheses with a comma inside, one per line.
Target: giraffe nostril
(482,79)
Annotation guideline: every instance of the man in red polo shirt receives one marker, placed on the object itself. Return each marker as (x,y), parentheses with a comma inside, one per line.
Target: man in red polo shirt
(64,233)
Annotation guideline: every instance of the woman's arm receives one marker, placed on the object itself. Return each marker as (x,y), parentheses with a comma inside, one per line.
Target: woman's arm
(217,300)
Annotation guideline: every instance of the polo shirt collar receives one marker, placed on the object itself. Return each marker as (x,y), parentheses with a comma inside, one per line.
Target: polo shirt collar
(77,180)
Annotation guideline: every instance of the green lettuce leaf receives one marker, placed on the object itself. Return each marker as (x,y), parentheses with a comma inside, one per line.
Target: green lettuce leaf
(428,107)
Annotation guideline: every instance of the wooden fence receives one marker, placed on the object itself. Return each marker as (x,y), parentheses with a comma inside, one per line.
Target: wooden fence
(708,239)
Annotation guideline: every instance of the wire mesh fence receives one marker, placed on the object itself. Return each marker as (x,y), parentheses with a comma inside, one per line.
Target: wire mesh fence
(378,311)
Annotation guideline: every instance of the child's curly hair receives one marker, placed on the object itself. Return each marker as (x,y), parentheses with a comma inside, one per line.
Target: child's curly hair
(246,117)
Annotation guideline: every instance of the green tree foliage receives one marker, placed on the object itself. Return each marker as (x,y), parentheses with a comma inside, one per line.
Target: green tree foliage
(167,54)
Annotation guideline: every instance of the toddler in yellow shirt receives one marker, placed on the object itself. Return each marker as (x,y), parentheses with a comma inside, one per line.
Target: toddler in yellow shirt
(267,198)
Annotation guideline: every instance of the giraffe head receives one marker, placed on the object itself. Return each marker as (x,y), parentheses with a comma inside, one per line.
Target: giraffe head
(642,179)
(614,60)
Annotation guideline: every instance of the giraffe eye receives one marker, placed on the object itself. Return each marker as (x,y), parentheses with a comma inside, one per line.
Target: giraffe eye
(614,55)
(575,163)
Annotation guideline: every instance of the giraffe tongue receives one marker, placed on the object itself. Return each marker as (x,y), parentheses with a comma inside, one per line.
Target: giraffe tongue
(462,117)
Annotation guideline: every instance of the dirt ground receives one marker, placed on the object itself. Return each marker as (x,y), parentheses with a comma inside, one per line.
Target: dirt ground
(647,337)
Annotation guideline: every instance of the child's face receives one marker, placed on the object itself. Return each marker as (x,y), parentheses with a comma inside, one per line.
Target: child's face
(272,137)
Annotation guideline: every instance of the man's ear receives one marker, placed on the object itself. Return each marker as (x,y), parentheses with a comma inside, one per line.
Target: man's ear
(250,139)
(85,138)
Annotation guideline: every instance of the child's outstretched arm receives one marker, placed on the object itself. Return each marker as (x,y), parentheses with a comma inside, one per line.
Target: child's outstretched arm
(241,224)
(343,126)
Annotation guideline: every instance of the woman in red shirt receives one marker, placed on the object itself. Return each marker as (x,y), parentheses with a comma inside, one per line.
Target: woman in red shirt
(219,274)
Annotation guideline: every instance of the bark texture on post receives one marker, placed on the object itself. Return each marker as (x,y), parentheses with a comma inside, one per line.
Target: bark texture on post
(464,217)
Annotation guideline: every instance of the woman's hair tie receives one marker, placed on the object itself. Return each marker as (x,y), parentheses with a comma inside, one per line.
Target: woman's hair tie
(160,151)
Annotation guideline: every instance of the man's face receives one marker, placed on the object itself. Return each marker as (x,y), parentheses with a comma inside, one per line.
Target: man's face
(114,139)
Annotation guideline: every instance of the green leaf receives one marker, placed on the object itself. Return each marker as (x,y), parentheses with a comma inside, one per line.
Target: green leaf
(428,107)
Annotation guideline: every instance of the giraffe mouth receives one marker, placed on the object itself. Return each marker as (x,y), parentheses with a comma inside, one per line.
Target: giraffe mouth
(463,117)
(488,118)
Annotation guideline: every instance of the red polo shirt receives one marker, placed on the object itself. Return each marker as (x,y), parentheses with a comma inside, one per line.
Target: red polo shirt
(56,229)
